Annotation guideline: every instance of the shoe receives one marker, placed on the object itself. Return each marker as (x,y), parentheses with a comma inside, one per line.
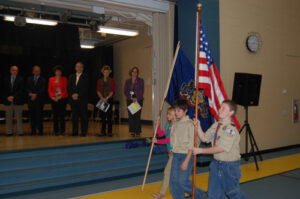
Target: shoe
(33,133)
(83,135)
(102,135)
(110,135)
(8,135)
(74,134)
(20,134)
(204,196)
(132,134)
(158,195)
(138,135)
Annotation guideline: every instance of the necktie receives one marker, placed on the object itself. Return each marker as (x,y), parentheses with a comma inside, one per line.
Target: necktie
(13,78)
(216,135)
(35,80)
(77,79)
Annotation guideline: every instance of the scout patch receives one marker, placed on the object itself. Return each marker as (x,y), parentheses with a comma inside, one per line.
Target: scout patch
(224,128)
(230,132)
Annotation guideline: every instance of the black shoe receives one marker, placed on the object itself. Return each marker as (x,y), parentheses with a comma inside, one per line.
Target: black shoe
(74,134)
(20,134)
(204,196)
(102,135)
(8,135)
(110,135)
(138,135)
(83,135)
(33,133)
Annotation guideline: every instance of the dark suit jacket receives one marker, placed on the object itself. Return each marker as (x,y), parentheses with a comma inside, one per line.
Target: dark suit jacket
(81,88)
(39,88)
(17,90)
(1,86)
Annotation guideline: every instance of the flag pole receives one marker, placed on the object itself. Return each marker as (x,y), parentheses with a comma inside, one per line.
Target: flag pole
(197,97)
(160,111)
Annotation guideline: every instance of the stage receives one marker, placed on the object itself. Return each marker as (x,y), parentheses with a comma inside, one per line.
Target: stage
(120,133)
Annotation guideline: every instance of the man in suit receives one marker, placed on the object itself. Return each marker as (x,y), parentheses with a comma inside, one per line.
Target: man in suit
(13,86)
(78,85)
(35,89)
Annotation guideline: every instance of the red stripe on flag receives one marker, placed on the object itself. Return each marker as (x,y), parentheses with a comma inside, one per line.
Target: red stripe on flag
(220,83)
(203,73)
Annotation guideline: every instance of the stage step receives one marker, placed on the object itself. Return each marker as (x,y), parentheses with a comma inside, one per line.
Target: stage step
(53,168)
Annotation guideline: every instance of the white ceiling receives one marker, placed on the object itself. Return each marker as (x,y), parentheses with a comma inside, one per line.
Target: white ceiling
(133,14)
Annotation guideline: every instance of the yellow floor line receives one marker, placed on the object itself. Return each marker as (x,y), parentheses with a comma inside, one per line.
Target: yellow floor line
(266,168)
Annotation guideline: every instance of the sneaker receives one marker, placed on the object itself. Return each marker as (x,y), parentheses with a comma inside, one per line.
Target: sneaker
(158,195)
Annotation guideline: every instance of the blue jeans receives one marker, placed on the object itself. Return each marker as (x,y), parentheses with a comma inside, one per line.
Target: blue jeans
(224,177)
(180,182)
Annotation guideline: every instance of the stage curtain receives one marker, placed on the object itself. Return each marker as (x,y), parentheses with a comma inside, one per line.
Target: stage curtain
(163,42)
(60,37)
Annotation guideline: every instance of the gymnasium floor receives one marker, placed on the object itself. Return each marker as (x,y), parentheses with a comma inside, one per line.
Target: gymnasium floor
(278,178)
(279,175)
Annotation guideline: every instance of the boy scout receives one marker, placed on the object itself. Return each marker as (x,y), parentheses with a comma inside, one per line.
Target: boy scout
(182,141)
(225,169)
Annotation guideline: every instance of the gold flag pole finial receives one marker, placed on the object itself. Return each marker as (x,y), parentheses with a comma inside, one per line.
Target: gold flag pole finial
(199,5)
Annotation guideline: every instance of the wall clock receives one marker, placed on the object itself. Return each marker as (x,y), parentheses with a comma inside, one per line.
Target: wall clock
(253,43)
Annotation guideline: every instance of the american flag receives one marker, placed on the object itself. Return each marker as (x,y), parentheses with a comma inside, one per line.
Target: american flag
(209,78)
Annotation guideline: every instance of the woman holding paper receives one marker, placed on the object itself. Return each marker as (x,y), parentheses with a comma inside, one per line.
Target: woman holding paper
(134,90)
(105,91)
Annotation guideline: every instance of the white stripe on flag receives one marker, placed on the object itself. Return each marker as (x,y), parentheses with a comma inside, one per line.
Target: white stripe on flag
(203,67)
(212,101)
(202,54)
(204,80)
(218,91)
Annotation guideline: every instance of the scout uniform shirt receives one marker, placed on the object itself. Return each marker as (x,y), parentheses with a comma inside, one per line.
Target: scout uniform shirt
(228,139)
(182,136)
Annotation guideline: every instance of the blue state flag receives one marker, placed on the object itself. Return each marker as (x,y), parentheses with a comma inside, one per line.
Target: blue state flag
(182,85)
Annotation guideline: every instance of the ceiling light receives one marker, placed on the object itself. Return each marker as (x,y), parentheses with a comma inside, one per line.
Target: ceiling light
(118,31)
(34,21)
(87,46)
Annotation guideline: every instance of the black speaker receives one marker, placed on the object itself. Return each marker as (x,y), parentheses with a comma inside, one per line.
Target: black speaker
(246,89)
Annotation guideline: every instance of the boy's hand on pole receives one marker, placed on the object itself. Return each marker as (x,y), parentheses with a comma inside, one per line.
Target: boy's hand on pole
(196,150)
(196,122)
